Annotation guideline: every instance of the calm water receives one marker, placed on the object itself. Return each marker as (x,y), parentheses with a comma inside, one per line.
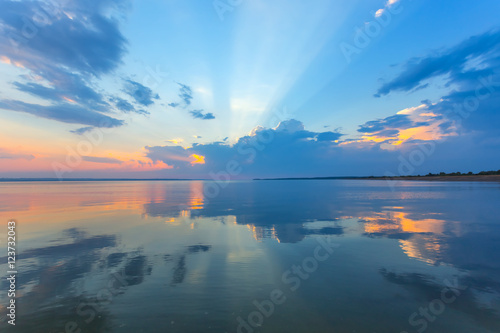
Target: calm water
(268,256)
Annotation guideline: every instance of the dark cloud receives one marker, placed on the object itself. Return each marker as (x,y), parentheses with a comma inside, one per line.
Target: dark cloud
(88,41)
(473,70)
(400,121)
(96,159)
(83,130)
(67,46)
(390,127)
(65,87)
(198,114)
(452,61)
(63,112)
(140,93)
(123,105)
(186,94)
(287,146)
(127,107)
(289,150)
(468,111)
(328,136)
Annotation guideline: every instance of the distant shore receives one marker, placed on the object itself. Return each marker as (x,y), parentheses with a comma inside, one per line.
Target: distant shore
(467,178)
(462,178)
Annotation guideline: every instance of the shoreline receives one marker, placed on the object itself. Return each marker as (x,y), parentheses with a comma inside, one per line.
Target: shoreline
(464,178)
(472,178)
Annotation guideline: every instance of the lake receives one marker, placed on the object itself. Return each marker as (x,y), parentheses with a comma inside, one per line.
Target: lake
(253,256)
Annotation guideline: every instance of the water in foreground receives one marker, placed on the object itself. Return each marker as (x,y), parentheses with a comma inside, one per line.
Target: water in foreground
(275,256)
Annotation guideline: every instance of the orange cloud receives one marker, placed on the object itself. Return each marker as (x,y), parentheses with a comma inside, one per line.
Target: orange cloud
(427,128)
(6,60)
(197,159)
(69,99)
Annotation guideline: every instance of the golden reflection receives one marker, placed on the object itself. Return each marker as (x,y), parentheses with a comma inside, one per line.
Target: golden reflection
(412,250)
(58,203)
(426,242)
(196,197)
(399,221)
(260,233)
(426,248)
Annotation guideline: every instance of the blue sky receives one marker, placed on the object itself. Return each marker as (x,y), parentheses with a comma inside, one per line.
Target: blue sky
(282,88)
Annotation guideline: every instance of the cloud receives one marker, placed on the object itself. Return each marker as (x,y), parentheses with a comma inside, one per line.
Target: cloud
(289,146)
(388,5)
(290,126)
(186,94)
(14,156)
(123,105)
(65,87)
(140,93)
(126,107)
(63,112)
(66,46)
(176,156)
(472,68)
(106,160)
(74,34)
(83,130)
(452,62)
(329,136)
(411,125)
(198,114)
(290,150)
(400,121)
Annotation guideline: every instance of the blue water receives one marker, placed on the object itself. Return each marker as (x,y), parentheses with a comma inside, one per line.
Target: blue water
(257,256)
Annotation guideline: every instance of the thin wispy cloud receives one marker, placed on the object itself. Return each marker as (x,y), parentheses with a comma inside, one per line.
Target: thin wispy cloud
(387,6)
(105,160)
(200,114)
(140,93)
(186,94)
(5,155)
(63,112)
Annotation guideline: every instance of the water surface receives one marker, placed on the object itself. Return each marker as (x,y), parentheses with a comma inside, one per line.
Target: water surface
(260,256)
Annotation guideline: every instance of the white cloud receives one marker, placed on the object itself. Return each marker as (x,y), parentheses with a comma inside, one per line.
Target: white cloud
(389,3)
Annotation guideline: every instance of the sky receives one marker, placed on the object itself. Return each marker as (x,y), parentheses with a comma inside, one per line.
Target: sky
(239,89)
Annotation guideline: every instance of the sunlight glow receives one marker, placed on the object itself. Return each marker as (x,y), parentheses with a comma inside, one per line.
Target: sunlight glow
(197,159)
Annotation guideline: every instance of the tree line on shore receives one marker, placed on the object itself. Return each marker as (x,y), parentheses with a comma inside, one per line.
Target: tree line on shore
(444,174)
